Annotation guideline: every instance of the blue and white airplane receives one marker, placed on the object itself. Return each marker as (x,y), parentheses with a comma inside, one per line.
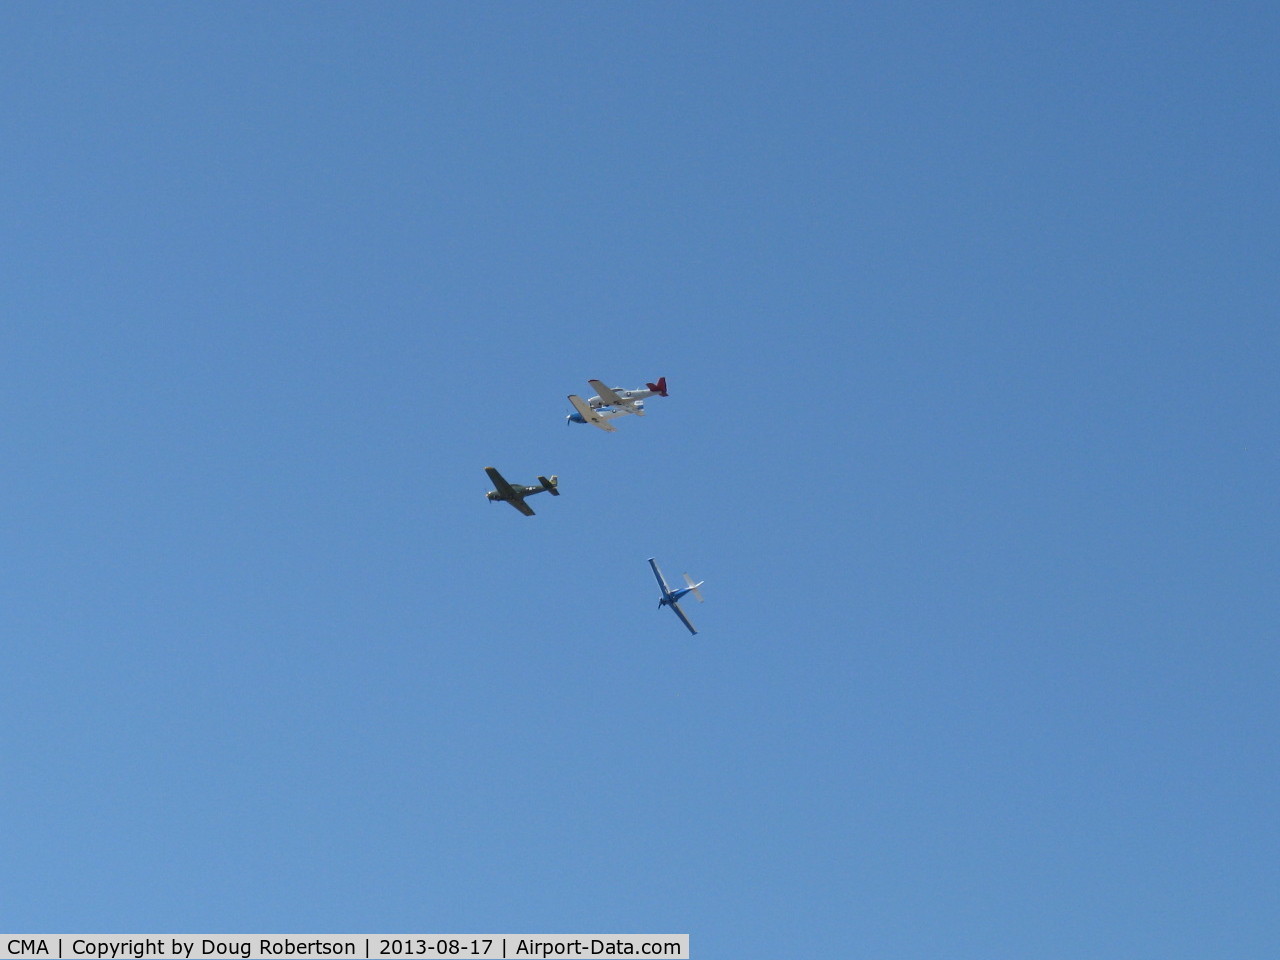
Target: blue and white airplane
(671,597)
(609,403)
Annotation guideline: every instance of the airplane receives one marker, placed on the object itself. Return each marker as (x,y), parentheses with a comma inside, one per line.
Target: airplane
(670,597)
(609,403)
(515,495)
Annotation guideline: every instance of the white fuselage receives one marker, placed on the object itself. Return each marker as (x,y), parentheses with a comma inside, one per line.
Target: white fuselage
(607,412)
(627,406)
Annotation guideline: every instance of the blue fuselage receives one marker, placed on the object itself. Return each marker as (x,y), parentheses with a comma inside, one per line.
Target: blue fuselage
(674,596)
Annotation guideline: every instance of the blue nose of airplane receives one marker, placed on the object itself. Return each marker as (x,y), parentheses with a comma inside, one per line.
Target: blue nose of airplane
(575,418)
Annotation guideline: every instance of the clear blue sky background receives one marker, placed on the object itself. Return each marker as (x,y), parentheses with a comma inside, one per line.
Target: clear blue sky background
(969,315)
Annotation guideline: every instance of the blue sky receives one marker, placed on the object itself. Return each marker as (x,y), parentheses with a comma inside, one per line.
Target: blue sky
(968,313)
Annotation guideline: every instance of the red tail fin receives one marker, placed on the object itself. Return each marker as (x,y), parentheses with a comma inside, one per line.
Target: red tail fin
(660,388)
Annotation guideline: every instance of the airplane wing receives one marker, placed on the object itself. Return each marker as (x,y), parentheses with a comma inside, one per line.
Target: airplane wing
(607,395)
(500,484)
(589,415)
(658,573)
(521,506)
(683,618)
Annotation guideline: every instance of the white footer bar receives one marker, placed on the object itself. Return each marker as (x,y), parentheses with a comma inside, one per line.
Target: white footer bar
(490,946)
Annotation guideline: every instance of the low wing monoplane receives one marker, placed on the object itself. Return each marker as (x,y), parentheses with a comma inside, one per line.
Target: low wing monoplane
(610,402)
(515,495)
(670,598)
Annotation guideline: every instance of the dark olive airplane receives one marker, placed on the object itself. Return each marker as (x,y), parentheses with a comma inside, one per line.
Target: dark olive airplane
(515,495)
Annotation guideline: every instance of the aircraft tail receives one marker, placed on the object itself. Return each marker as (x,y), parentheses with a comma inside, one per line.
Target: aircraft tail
(550,485)
(660,388)
(693,587)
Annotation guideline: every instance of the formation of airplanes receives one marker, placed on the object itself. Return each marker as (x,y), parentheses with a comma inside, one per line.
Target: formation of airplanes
(608,404)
